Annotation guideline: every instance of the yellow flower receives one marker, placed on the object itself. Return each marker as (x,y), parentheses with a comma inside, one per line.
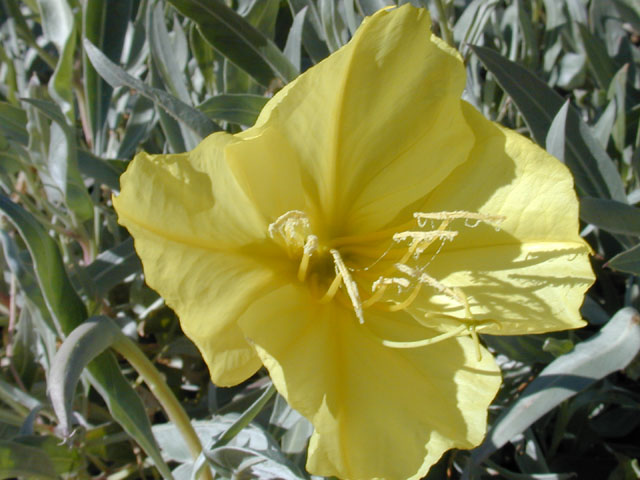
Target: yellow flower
(355,240)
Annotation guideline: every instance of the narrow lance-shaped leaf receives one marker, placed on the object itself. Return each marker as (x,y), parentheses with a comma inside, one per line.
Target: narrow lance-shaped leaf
(555,141)
(236,108)
(238,40)
(293,47)
(63,302)
(117,77)
(594,172)
(59,27)
(601,63)
(627,261)
(615,217)
(17,460)
(312,33)
(63,161)
(112,266)
(105,26)
(163,54)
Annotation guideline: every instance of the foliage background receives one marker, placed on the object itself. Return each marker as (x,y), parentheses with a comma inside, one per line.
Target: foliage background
(87,83)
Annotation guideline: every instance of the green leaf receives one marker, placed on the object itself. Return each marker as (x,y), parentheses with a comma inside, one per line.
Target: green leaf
(615,217)
(369,7)
(236,108)
(627,261)
(18,400)
(103,172)
(471,22)
(142,120)
(247,416)
(312,32)
(594,172)
(17,460)
(555,141)
(65,461)
(600,63)
(603,127)
(104,25)
(61,299)
(180,111)
(112,266)
(164,57)
(235,38)
(204,55)
(59,27)
(332,25)
(13,123)
(617,91)
(297,429)
(62,161)
(25,276)
(83,345)
(262,14)
(293,47)
(608,351)
(629,10)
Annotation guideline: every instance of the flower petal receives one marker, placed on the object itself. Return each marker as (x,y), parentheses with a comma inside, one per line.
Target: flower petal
(407,406)
(196,250)
(530,274)
(384,105)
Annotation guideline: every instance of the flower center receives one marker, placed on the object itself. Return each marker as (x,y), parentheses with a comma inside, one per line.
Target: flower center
(401,268)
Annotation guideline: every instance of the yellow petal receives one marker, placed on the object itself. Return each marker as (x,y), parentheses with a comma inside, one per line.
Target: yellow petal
(385,104)
(531,274)
(378,412)
(268,171)
(196,249)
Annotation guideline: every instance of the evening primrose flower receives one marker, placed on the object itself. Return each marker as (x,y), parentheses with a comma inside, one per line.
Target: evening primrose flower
(356,240)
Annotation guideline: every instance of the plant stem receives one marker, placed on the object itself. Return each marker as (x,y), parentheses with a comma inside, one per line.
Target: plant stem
(444,24)
(156,383)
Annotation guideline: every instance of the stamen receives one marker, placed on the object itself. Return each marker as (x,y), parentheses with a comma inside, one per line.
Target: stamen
(383,282)
(407,301)
(422,277)
(470,328)
(350,285)
(380,286)
(310,247)
(332,290)
(476,342)
(417,247)
(419,237)
(294,228)
(377,295)
(426,341)
(422,217)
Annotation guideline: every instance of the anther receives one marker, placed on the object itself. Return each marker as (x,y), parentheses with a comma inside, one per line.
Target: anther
(482,217)
(424,236)
(349,284)
(310,246)
(294,228)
